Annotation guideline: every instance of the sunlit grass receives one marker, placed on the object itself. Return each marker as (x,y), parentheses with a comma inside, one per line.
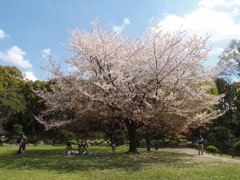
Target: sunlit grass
(49,162)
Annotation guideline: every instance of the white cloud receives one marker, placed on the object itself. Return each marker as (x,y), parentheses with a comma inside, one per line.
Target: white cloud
(126,21)
(236,2)
(46,53)
(217,51)
(15,55)
(2,34)
(218,18)
(235,12)
(213,3)
(30,76)
(119,29)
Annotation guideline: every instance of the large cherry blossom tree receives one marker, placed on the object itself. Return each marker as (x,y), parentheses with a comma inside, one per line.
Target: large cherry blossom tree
(136,78)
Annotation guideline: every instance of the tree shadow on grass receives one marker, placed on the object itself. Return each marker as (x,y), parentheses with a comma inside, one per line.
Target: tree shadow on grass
(55,160)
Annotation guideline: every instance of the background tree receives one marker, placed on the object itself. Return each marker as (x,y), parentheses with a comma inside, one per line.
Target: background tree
(230,60)
(162,127)
(17,132)
(11,96)
(226,127)
(33,105)
(66,136)
(12,102)
(136,78)
(230,103)
(222,138)
(99,119)
(119,137)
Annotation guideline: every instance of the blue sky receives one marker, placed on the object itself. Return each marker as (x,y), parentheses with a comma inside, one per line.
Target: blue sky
(29,30)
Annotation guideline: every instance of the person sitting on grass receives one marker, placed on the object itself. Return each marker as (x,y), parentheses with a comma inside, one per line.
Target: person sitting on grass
(68,148)
(82,146)
(79,143)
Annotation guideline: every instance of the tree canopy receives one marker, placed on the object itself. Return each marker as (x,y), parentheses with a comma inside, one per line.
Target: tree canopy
(11,96)
(155,74)
(230,59)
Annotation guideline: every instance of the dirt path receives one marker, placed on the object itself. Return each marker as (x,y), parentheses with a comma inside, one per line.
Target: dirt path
(194,152)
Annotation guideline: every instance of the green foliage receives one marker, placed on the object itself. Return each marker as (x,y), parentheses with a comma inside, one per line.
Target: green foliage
(221,85)
(222,138)
(236,147)
(100,142)
(40,143)
(34,106)
(212,149)
(66,136)
(182,140)
(73,142)
(17,132)
(105,143)
(49,142)
(204,83)
(231,104)
(18,129)
(213,91)
(11,94)
(119,137)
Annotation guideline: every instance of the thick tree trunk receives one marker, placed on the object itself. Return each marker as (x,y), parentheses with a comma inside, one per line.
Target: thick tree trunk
(148,141)
(111,139)
(132,127)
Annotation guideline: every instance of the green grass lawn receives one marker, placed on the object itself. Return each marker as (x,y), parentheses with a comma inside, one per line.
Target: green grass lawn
(49,162)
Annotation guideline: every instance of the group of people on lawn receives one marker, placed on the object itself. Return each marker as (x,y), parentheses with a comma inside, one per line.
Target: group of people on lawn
(82,148)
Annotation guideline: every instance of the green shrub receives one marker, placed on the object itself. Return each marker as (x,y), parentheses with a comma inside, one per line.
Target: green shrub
(56,141)
(40,143)
(98,141)
(66,136)
(212,149)
(49,141)
(105,143)
(236,147)
(182,140)
(18,129)
(73,142)
(119,137)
